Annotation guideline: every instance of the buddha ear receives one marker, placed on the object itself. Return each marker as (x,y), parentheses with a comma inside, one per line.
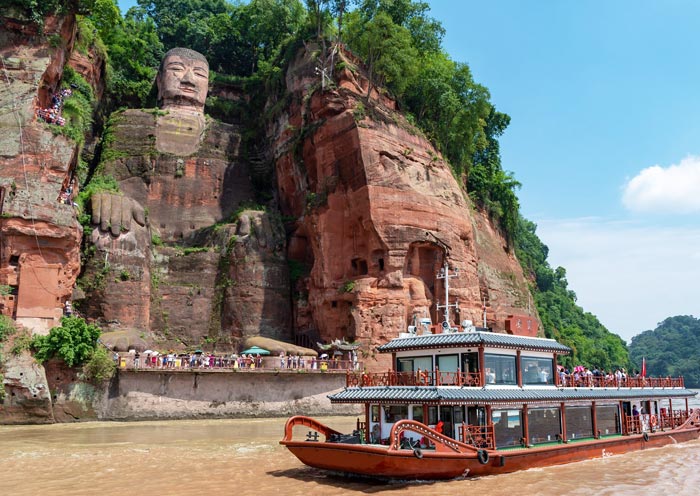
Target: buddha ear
(158,85)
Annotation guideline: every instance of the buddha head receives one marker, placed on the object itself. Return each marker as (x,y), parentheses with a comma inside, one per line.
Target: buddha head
(183,80)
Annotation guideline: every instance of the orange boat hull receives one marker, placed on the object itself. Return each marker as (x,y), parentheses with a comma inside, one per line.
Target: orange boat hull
(381,462)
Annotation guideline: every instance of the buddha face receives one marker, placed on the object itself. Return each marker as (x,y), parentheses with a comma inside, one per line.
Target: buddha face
(183,82)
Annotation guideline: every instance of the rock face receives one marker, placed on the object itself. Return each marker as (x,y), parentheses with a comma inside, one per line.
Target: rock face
(40,237)
(378,214)
(27,394)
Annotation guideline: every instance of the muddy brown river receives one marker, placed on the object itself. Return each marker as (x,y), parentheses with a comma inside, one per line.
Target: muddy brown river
(243,457)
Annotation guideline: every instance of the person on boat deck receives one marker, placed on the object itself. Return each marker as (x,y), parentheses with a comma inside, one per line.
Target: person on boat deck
(635,412)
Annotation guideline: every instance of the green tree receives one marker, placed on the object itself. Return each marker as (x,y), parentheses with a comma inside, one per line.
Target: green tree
(7,327)
(74,342)
(100,366)
(387,51)
(135,51)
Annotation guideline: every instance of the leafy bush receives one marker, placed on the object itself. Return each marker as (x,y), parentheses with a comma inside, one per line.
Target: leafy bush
(100,367)
(73,342)
(77,108)
(22,342)
(7,327)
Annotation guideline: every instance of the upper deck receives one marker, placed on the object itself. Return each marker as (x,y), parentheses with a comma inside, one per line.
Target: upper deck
(409,342)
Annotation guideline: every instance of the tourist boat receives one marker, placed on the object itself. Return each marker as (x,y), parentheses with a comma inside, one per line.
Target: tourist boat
(468,402)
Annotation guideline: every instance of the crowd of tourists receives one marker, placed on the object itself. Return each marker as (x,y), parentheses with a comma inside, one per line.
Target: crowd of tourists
(52,115)
(209,361)
(585,377)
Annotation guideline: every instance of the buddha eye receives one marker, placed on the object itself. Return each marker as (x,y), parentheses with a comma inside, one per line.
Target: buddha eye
(175,66)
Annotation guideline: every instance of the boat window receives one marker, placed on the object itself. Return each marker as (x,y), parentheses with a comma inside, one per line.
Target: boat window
(508,427)
(375,413)
(432,415)
(499,369)
(579,423)
(544,425)
(417,411)
(608,419)
(414,363)
(394,413)
(537,370)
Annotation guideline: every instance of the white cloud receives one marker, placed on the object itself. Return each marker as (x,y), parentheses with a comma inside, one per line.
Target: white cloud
(674,189)
(630,276)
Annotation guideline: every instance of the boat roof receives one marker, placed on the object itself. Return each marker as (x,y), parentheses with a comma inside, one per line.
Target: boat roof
(462,339)
(450,394)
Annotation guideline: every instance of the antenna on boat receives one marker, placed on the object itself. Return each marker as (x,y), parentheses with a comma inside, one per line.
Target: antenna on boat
(445,274)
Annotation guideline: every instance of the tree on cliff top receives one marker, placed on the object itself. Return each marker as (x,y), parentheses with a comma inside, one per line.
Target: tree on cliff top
(74,342)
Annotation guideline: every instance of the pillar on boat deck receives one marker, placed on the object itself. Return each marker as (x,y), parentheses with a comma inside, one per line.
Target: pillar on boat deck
(687,412)
(482,373)
(367,418)
(563,422)
(670,412)
(518,368)
(526,426)
(623,424)
(556,371)
(594,417)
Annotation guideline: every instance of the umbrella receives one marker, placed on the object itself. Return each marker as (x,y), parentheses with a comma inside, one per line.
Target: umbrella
(255,350)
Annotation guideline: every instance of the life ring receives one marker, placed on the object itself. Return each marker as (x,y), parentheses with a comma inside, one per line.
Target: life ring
(483,456)
(652,421)
(418,453)
(646,436)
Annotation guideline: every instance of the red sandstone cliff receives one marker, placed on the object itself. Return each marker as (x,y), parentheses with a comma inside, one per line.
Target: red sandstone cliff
(378,213)
(40,237)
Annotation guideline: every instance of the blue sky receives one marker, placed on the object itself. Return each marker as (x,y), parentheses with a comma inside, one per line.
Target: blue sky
(604,99)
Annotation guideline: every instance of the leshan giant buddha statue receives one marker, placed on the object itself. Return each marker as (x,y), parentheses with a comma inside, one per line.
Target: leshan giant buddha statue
(180,173)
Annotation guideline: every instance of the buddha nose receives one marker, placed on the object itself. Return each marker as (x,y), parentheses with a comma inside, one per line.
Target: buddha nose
(188,77)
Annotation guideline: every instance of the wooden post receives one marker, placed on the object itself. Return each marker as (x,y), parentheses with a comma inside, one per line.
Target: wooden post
(367,419)
(526,427)
(595,420)
(563,423)
(555,371)
(518,369)
(482,372)
(623,424)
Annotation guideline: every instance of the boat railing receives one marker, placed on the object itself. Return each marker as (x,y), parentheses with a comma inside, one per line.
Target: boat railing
(573,380)
(649,422)
(417,378)
(479,436)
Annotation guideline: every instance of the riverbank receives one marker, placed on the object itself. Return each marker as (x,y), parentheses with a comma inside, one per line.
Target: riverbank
(56,394)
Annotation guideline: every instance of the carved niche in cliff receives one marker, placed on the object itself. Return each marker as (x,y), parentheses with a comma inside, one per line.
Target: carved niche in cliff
(169,242)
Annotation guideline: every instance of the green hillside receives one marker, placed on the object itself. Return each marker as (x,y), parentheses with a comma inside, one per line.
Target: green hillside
(672,349)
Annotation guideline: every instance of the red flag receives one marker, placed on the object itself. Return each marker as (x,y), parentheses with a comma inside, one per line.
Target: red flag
(644,367)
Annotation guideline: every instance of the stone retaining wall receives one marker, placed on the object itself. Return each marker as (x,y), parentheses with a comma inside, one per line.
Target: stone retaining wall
(186,394)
